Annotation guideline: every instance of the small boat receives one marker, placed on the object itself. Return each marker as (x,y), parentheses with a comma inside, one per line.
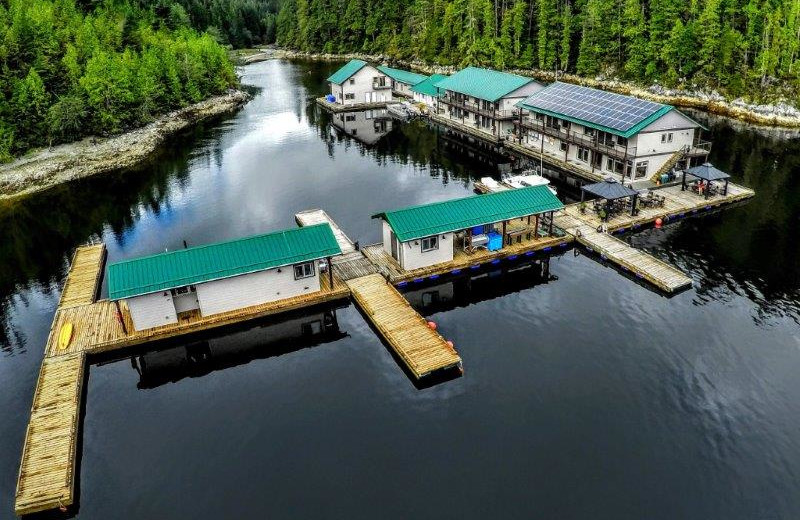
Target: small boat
(528,179)
(65,335)
(489,185)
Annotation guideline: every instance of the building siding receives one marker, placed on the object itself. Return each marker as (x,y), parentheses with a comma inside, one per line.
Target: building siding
(413,257)
(362,88)
(246,290)
(152,310)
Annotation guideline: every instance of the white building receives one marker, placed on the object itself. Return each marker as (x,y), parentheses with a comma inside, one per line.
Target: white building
(484,99)
(211,279)
(606,133)
(430,234)
(358,82)
(402,80)
(426,92)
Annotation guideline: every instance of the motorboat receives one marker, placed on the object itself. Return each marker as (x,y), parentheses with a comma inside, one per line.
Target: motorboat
(527,179)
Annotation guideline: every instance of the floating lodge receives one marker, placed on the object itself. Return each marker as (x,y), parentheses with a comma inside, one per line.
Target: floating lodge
(595,135)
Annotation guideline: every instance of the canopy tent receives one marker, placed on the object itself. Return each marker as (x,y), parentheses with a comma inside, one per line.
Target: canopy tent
(610,189)
(706,172)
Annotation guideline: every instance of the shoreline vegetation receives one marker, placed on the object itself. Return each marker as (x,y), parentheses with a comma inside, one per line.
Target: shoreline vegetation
(779,115)
(48,167)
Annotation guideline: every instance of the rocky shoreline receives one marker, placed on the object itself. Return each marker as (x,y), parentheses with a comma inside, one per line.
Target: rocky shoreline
(45,168)
(780,114)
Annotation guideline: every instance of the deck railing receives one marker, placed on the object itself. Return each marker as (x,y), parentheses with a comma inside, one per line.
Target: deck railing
(578,138)
(476,108)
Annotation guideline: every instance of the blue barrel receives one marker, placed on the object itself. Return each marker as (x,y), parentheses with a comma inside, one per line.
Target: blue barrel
(330,98)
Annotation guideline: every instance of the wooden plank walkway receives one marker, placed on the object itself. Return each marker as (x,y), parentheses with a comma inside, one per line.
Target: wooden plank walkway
(85,273)
(422,349)
(47,471)
(641,264)
(351,263)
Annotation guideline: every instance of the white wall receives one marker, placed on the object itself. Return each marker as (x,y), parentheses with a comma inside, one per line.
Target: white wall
(413,258)
(361,86)
(387,237)
(252,289)
(186,302)
(430,101)
(152,310)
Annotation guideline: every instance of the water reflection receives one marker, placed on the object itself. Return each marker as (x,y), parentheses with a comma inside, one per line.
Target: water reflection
(366,126)
(275,337)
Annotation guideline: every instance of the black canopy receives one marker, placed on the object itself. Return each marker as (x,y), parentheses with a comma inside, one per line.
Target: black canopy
(707,172)
(609,190)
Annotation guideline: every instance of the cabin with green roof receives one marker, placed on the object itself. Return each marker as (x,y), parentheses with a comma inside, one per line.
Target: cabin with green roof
(609,134)
(226,276)
(402,80)
(430,234)
(484,99)
(426,92)
(359,83)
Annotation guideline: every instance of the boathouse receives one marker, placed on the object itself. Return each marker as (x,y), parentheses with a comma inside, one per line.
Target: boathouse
(226,276)
(358,82)
(484,99)
(609,134)
(402,80)
(430,234)
(426,92)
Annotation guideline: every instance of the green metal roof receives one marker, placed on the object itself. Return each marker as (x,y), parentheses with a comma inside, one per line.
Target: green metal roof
(221,260)
(403,76)
(428,86)
(486,84)
(457,214)
(347,70)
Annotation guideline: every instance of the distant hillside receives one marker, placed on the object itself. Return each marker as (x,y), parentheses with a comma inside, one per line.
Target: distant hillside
(745,48)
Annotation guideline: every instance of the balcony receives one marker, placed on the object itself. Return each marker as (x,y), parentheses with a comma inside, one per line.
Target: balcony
(699,149)
(379,85)
(475,108)
(580,139)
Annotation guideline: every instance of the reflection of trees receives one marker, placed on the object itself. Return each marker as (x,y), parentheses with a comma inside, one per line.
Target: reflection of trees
(40,232)
(751,250)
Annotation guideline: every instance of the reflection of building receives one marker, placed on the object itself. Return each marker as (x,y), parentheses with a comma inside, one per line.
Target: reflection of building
(474,287)
(609,133)
(368,126)
(161,289)
(223,351)
(359,82)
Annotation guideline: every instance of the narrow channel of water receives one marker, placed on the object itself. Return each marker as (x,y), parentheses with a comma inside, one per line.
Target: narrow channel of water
(584,393)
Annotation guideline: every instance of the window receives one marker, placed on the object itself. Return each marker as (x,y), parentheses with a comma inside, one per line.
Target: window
(352,81)
(430,243)
(350,96)
(669,137)
(564,146)
(641,169)
(614,166)
(305,270)
(350,118)
(182,290)
(666,138)
(588,131)
(583,154)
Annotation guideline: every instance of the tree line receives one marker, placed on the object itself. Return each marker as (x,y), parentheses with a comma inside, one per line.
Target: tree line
(71,68)
(742,47)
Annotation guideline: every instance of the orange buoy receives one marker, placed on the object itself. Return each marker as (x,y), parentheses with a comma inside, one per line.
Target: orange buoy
(450,344)
(659,222)
(432,325)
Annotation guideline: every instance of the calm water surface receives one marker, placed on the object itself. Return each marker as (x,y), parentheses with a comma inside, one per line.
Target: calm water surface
(585,395)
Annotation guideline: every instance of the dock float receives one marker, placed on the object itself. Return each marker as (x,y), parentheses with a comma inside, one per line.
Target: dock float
(421,348)
(351,263)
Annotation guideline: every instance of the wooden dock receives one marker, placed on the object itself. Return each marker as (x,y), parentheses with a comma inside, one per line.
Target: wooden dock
(355,107)
(351,263)
(421,348)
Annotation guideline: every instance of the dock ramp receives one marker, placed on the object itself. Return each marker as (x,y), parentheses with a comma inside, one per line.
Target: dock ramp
(421,348)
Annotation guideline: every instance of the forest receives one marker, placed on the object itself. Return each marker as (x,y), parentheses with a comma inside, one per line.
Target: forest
(72,68)
(740,47)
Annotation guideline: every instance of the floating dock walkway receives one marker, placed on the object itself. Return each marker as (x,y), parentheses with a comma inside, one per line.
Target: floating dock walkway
(421,348)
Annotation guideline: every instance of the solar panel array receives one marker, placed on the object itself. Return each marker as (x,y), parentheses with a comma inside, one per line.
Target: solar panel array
(603,108)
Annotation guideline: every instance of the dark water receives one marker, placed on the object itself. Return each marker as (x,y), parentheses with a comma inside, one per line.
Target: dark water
(585,395)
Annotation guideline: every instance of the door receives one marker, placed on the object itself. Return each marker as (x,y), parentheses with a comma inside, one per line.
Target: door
(393,238)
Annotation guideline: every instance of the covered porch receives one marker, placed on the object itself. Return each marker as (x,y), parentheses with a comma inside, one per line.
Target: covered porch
(705,180)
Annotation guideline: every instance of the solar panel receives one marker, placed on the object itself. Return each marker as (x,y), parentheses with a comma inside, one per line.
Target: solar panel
(614,111)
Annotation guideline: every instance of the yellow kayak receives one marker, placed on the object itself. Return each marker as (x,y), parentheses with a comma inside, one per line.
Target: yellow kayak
(65,336)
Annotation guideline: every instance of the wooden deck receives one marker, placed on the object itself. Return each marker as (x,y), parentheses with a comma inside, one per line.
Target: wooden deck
(553,160)
(351,263)
(47,471)
(338,107)
(389,267)
(422,349)
(464,128)
(85,273)
(641,264)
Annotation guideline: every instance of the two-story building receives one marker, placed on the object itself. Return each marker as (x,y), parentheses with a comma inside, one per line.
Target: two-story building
(609,134)
(426,92)
(357,82)
(402,80)
(484,100)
